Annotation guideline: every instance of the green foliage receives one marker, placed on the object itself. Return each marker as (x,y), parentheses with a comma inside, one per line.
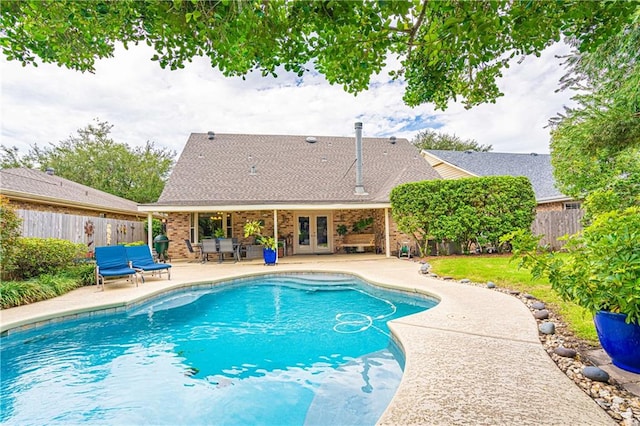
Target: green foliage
(10,224)
(342,229)
(463,210)
(602,270)
(362,224)
(84,274)
(38,256)
(430,139)
(254,228)
(595,148)
(448,50)
(156,227)
(17,293)
(10,158)
(93,159)
(218,233)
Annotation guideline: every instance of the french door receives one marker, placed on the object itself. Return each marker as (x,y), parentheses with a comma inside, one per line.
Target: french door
(313,233)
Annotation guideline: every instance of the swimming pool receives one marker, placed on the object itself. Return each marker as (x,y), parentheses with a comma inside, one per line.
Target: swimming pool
(277,350)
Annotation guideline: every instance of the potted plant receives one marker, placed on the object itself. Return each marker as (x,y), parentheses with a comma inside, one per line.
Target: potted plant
(600,272)
(269,244)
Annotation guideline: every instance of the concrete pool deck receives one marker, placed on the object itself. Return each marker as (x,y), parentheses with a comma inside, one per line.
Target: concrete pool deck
(473,359)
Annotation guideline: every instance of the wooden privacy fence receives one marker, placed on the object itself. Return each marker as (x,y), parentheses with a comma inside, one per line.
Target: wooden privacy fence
(90,230)
(555,224)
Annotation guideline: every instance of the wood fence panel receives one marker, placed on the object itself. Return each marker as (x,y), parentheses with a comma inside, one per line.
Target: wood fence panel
(555,224)
(106,231)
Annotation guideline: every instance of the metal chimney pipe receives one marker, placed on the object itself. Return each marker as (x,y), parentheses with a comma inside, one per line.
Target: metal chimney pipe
(359,185)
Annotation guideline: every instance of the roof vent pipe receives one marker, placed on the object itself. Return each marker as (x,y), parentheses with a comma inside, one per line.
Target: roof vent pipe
(50,171)
(392,140)
(211,135)
(359,185)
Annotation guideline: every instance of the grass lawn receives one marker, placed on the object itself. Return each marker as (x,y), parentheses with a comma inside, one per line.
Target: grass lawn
(505,273)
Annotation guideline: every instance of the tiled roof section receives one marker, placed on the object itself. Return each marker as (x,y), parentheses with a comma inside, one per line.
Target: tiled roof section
(288,169)
(40,184)
(537,167)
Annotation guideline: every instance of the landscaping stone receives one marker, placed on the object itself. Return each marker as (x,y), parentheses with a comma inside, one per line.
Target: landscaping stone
(595,373)
(424,268)
(547,328)
(491,284)
(432,275)
(447,278)
(514,292)
(538,305)
(465,281)
(528,296)
(541,315)
(565,352)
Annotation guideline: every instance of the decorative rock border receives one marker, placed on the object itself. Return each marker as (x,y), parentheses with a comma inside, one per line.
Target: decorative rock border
(566,350)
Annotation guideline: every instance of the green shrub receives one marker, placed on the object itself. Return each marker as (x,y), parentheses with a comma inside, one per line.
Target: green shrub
(9,233)
(84,273)
(463,210)
(602,268)
(46,286)
(38,256)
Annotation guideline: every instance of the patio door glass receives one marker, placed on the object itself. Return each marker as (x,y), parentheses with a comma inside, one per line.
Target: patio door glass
(313,233)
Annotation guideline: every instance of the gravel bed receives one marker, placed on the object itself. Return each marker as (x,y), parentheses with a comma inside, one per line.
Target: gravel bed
(620,404)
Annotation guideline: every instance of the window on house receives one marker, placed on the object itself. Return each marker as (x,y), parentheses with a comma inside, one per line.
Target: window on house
(572,206)
(229,225)
(209,223)
(192,227)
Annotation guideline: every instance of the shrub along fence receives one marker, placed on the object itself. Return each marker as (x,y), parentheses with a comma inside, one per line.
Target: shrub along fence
(89,230)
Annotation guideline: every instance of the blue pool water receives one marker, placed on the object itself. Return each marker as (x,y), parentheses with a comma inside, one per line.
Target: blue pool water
(275,350)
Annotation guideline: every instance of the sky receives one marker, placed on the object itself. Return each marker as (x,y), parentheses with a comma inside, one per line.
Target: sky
(143,102)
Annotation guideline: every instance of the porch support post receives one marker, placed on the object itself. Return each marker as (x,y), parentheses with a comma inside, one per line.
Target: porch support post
(386,232)
(275,230)
(150,230)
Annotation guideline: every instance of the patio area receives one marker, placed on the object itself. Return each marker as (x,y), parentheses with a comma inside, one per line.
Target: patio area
(473,359)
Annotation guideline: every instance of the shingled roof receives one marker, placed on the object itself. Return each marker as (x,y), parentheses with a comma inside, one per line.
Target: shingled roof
(245,170)
(34,185)
(536,167)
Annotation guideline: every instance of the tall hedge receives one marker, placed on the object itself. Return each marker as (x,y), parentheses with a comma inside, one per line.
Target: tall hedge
(463,210)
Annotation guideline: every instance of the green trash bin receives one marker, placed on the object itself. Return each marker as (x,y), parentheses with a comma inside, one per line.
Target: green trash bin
(161,244)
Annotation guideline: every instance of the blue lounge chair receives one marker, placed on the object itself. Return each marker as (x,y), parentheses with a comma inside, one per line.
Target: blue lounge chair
(112,262)
(142,260)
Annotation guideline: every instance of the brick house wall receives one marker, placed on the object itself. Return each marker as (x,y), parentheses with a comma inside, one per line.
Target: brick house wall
(179,226)
(547,207)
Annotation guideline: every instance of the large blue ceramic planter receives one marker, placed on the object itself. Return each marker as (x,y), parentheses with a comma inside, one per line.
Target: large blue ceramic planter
(269,256)
(621,341)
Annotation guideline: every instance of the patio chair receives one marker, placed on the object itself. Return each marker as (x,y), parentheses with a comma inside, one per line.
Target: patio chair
(112,262)
(190,247)
(142,260)
(226,245)
(209,246)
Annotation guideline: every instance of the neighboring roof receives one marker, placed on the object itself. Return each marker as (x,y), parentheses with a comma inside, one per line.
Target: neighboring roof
(288,170)
(536,167)
(34,185)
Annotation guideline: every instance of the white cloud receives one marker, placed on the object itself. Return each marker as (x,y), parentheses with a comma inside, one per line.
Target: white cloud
(143,102)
